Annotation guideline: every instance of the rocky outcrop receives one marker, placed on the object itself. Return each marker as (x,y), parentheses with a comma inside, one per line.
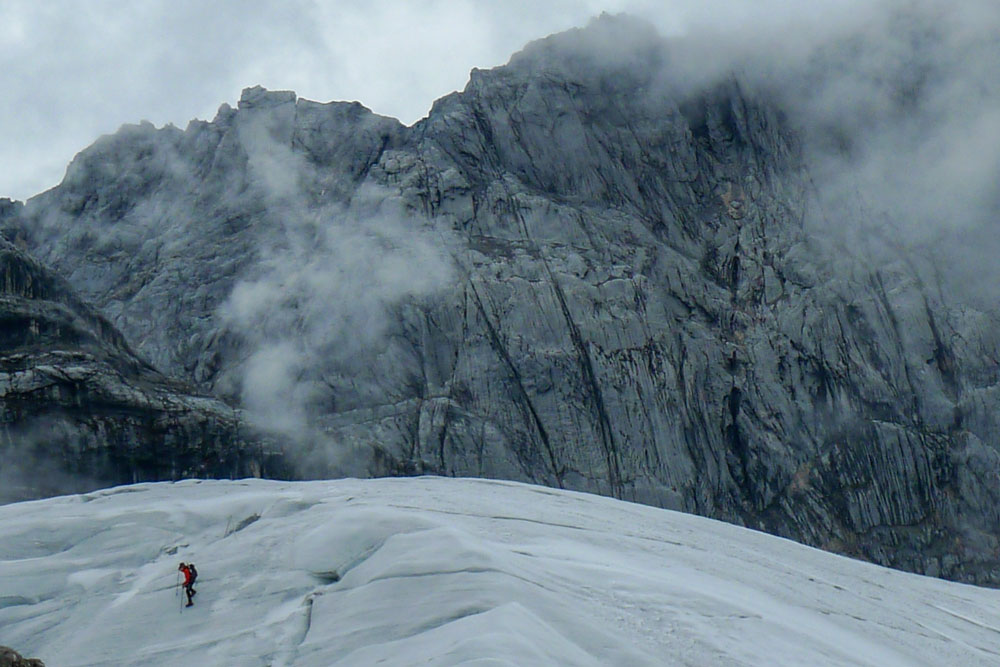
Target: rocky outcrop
(640,304)
(79,410)
(11,658)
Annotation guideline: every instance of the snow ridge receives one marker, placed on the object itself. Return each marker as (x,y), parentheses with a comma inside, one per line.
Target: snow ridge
(443,571)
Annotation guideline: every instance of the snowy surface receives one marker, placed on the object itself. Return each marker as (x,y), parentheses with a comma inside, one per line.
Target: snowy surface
(442,571)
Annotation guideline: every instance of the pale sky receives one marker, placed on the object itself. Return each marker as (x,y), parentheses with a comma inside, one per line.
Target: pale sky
(71,70)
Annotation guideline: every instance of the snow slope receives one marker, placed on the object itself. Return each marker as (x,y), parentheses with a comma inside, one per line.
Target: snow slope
(444,571)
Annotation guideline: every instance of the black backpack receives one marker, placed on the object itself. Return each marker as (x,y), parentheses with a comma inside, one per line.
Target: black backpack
(194,573)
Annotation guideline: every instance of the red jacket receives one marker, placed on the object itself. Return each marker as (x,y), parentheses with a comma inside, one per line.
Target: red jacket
(187,575)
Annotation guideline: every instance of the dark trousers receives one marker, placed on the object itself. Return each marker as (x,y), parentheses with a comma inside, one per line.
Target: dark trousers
(189,589)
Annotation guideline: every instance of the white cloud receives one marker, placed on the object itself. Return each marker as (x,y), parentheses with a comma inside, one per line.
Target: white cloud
(318,308)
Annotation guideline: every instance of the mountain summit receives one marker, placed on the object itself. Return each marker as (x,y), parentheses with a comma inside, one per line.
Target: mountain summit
(578,272)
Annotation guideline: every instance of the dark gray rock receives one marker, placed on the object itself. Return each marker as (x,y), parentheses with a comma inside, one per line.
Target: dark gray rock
(11,658)
(637,302)
(78,410)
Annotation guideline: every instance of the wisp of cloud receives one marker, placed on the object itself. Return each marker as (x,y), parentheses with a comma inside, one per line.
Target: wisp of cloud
(318,312)
(898,107)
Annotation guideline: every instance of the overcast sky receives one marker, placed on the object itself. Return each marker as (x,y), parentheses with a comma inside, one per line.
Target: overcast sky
(71,70)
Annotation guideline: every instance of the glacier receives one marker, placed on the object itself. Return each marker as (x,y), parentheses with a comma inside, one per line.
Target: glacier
(441,571)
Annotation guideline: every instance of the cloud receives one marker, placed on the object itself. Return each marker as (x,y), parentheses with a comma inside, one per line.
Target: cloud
(897,101)
(29,470)
(72,71)
(318,316)
(902,128)
(897,105)
(900,96)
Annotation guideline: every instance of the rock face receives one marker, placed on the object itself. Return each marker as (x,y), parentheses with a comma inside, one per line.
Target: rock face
(637,303)
(79,410)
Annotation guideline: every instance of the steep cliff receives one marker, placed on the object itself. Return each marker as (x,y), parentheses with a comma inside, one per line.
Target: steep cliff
(636,301)
(78,410)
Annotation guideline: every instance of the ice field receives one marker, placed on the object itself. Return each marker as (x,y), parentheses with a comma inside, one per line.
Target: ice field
(444,571)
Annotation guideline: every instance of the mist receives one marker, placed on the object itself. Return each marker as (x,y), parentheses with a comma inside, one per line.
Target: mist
(321,306)
(318,314)
(27,468)
(897,104)
(71,71)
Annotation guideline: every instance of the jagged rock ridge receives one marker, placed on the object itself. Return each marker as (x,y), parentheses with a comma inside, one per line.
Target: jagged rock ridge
(640,308)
